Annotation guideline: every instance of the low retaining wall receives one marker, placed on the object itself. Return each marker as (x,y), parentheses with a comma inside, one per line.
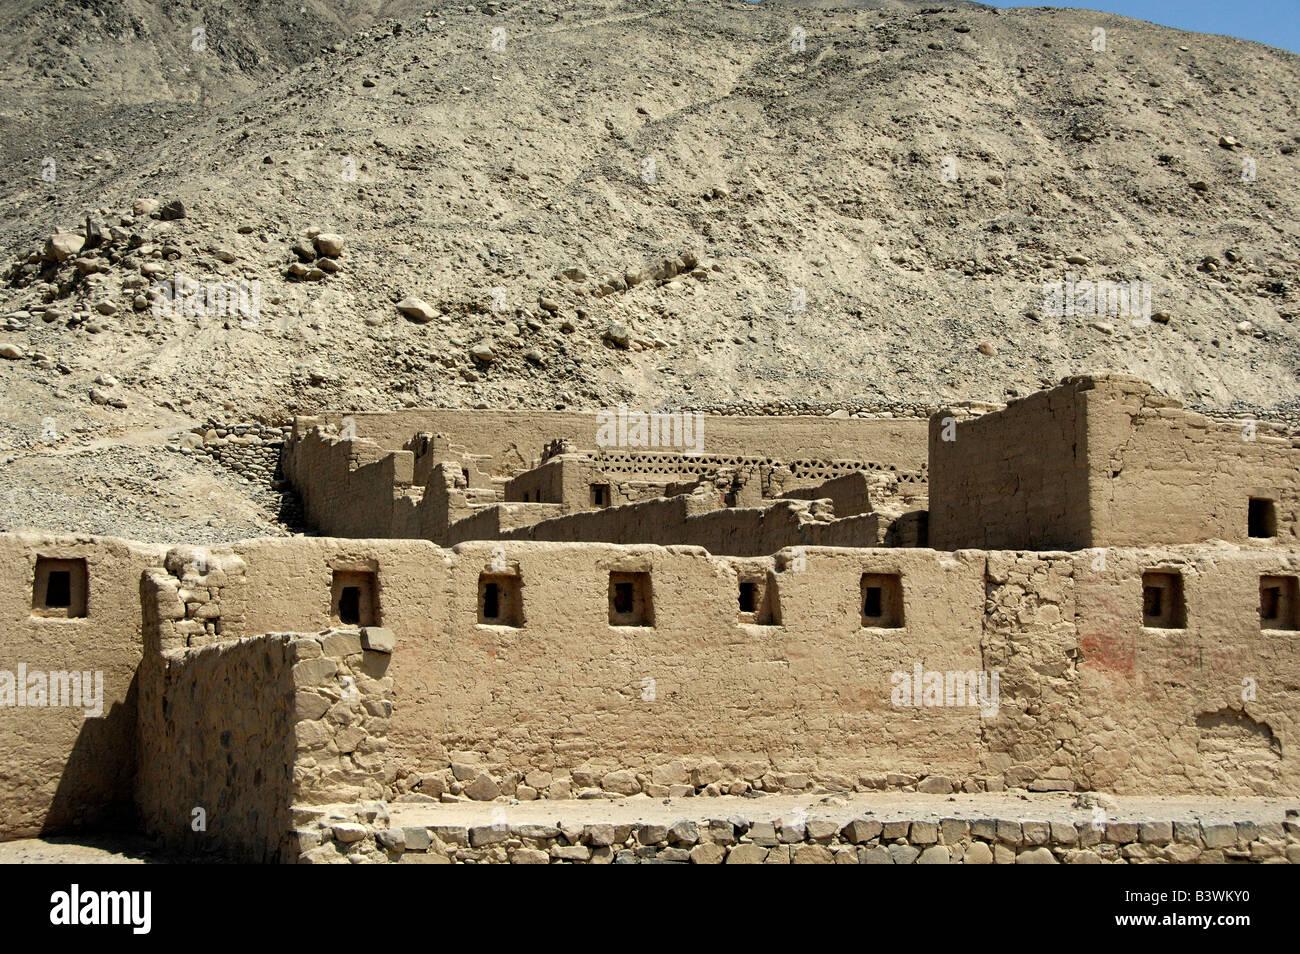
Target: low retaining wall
(371,834)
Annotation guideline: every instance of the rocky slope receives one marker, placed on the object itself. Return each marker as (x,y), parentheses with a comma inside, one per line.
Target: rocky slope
(677,204)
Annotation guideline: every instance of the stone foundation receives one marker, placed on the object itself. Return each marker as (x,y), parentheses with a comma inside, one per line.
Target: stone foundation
(810,832)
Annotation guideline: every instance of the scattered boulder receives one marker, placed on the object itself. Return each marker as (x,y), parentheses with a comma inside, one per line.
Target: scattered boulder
(143,207)
(329,244)
(11,351)
(483,352)
(175,209)
(62,246)
(417,310)
(618,335)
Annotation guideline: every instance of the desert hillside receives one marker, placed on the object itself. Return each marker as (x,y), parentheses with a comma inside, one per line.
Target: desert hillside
(704,204)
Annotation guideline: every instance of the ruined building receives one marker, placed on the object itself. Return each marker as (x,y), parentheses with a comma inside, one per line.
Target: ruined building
(511,607)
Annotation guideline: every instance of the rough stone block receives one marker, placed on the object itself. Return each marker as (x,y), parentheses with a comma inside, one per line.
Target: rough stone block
(747,855)
(378,639)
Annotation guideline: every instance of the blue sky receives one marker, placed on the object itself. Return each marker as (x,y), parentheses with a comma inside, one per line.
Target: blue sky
(1275,22)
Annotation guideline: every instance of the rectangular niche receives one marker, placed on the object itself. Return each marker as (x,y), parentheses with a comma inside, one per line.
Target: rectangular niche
(1162,600)
(500,600)
(1261,518)
(758,599)
(1279,602)
(630,599)
(60,588)
(881,600)
(354,598)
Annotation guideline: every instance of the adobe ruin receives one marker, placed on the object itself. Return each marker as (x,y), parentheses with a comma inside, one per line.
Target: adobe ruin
(1089,590)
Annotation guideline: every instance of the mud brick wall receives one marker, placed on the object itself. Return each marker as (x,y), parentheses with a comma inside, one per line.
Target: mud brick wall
(1209,707)
(351,488)
(60,769)
(851,494)
(772,706)
(242,730)
(1161,474)
(697,520)
(1106,461)
(703,698)
(499,520)
(515,439)
(1012,479)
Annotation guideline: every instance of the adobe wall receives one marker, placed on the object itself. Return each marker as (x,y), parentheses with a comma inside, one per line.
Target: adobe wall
(351,488)
(698,520)
(1011,479)
(1219,695)
(1089,697)
(703,700)
(62,769)
(1105,460)
(1162,474)
(499,520)
(514,439)
(849,495)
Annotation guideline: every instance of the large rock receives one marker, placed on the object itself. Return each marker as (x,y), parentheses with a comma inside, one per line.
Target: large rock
(329,244)
(11,351)
(618,335)
(622,781)
(747,855)
(417,310)
(174,209)
(62,246)
(483,788)
(378,639)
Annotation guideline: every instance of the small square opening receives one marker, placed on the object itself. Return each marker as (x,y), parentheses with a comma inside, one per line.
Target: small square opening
(1162,600)
(1261,518)
(1279,602)
(881,600)
(600,495)
(630,600)
(758,600)
(500,600)
(354,598)
(59,588)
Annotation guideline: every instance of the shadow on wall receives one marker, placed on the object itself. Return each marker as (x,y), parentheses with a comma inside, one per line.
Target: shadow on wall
(97,763)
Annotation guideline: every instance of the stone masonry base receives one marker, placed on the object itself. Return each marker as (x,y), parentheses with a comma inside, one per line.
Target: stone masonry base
(1009,828)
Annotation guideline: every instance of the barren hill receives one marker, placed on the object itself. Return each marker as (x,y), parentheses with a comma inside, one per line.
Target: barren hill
(678,204)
